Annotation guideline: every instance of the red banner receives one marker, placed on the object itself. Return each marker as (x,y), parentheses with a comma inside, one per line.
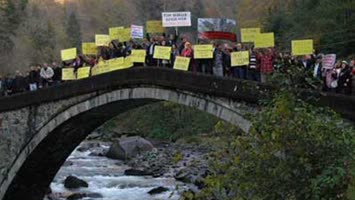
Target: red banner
(214,35)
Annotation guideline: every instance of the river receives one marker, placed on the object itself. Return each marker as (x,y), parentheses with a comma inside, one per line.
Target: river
(106,177)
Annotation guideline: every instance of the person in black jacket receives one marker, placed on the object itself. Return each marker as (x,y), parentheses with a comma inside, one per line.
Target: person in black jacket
(33,78)
(345,79)
(57,77)
(19,84)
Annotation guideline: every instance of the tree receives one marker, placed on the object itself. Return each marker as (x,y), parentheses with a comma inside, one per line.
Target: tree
(73,31)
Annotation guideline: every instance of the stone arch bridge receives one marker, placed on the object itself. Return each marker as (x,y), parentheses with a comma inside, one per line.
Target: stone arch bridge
(39,130)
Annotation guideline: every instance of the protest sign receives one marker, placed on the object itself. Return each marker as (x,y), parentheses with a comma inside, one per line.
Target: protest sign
(89,48)
(182,63)
(68,74)
(302,47)
(114,32)
(204,51)
(68,54)
(155,26)
(124,35)
(176,19)
(116,63)
(249,34)
(240,58)
(83,72)
(102,40)
(162,52)
(265,40)
(138,56)
(329,61)
(137,32)
(216,29)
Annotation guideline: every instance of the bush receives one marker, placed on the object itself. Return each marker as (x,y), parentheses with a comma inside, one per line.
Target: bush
(294,151)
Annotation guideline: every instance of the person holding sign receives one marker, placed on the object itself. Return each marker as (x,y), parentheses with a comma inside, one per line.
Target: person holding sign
(189,53)
(241,58)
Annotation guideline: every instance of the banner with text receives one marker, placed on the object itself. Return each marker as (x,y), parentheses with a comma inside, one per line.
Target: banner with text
(249,34)
(83,72)
(68,54)
(137,32)
(265,40)
(89,48)
(102,40)
(329,61)
(161,52)
(182,63)
(114,32)
(240,58)
(68,74)
(176,19)
(138,56)
(203,51)
(302,47)
(155,26)
(216,29)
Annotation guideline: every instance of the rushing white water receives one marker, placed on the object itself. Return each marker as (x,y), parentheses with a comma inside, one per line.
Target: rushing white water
(106,177)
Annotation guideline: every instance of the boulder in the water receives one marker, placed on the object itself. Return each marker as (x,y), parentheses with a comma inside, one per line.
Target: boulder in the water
(72,182)
(158,190)
(128,148)
(137,172)
(77,196)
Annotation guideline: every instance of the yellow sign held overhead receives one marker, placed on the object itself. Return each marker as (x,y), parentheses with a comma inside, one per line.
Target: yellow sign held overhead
(89,48)
(302,47)
(83,72)
(68,54)
(204,51)
(68,74)
(182,63)
(240,58)
(249,34)
(102,40)
(138,56)
(124,35)
(162,52)
(265,40)
(114,32)
(155,26)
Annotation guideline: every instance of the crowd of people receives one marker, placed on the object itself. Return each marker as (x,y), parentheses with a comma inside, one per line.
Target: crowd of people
(262,64)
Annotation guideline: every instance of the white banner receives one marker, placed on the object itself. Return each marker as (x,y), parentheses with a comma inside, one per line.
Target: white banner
(137,32)
(329,61)
(176,19)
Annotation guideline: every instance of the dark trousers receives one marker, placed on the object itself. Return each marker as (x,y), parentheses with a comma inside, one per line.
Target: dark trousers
(254,75)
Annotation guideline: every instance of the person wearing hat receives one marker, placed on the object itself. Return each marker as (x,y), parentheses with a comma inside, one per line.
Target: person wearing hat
(345,79)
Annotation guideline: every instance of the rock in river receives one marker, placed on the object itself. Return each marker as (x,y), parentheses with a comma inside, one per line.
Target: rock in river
(158,190)
(71,182)
(129,147)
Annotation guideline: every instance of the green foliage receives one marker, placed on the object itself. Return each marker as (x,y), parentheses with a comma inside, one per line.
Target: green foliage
(177,158)
(328,22)
(294,151)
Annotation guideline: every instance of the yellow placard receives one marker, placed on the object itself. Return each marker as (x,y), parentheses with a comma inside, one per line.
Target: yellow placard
(114,32)
(155,26)
(302,47)
(83,72)
(116,64)
(138,56)
(265,40)
(89,48)
(204,51)
(102,40)
(249,34)
(68,54)
(240,58)
(161,52)
(124,35)
(68,74)
(182,63)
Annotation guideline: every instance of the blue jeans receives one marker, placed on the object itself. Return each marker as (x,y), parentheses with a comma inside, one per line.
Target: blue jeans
(240,72)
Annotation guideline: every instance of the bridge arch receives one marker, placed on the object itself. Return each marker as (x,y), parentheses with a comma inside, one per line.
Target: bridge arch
(39,161)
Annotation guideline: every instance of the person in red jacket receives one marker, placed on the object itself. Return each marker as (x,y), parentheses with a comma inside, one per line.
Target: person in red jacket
(189,52)
(266,59)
